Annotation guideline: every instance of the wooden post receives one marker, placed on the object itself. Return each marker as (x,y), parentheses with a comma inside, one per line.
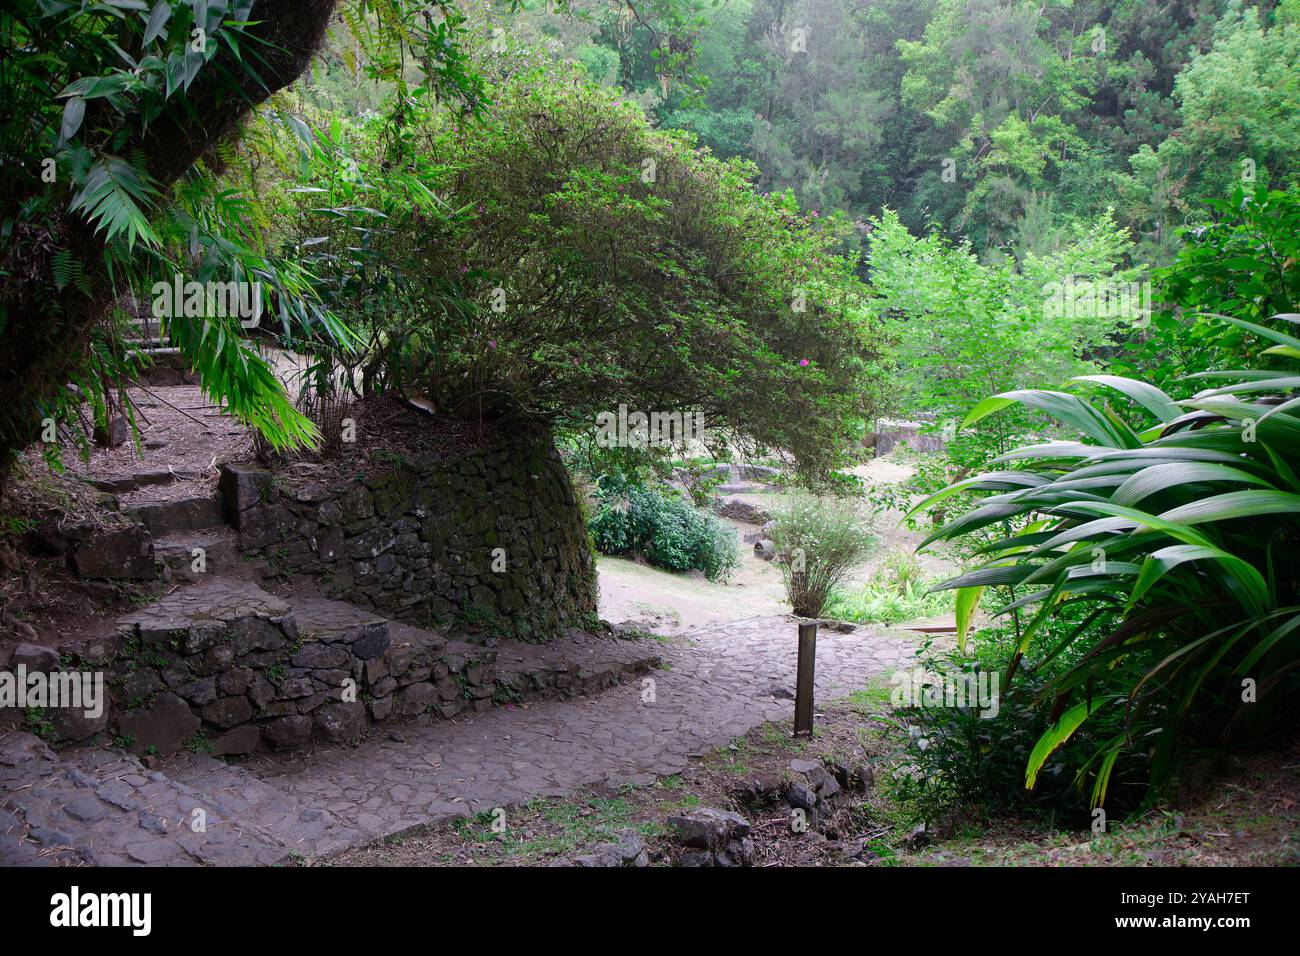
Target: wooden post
(803,696)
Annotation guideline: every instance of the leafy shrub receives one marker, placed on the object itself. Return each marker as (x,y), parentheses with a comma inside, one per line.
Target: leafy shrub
(1179,539)
(665,530)
(958,761)
(818,540)
(897,591)
(1232,264)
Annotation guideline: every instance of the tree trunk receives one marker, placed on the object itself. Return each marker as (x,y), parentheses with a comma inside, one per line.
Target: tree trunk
(44,333)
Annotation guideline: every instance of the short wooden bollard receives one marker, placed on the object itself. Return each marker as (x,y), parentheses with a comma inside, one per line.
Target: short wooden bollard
(803,697)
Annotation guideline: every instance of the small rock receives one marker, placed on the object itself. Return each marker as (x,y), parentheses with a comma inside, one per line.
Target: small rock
(164,725)
(707,828)
(630,850)
(822,784)
(86,808)
(284,733)
(800,796)
(35,657)
(340,721)
(241,740)
(735,853)
(918,837)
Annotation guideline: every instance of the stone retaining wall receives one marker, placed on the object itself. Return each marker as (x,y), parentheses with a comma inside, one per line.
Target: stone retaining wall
(492,538)
(224,668)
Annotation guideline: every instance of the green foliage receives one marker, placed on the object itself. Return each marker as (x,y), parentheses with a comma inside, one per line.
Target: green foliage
(561,257)
(818,540)
(1001,121)
(665,530)
(960,328)
(1240,262)
(1177,536)
(101,99)
(897,591)
(966,761)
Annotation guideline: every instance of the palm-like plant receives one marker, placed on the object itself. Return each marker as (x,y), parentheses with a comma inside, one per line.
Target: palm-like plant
(1180,540)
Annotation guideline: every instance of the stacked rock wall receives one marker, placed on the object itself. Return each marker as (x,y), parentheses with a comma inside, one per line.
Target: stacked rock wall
(226,668)
(494,538)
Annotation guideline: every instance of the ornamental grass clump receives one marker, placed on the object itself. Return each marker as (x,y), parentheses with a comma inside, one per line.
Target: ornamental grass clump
(818,541)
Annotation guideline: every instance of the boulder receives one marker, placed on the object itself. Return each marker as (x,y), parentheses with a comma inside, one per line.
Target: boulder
(71,723)
(629,850)
(228,712)
(317,655)
(340,721)
(241,740)
(416,699)
(816,777)
(708,828)
(35,657)
(739,510)
(285,733)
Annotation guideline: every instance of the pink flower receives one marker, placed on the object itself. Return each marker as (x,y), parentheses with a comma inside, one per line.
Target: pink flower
(492,343)
(803,362)
(464,268)
(814,214)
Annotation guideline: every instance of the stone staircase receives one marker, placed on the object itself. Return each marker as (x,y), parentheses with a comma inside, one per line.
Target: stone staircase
(182,538)
(173,802)
(219,668)
(191,539)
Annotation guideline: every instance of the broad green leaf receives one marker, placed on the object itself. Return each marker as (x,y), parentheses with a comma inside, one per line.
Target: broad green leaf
(1148,396)
(968,600)
(1055,736)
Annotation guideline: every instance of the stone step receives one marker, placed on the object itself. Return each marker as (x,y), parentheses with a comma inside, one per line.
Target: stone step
(181,514)
(122,484)
(226,668)
(575,665)
(103,807)
(220,553)
(517,672)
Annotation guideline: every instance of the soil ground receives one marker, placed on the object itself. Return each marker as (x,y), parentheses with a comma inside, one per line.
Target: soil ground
(659,601)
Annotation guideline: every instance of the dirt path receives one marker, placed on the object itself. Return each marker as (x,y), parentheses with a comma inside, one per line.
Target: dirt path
(662,602)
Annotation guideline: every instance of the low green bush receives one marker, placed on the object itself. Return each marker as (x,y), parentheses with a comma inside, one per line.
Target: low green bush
(664,529)
(818,540)
(962,762)
(897,591)
(1176,538)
